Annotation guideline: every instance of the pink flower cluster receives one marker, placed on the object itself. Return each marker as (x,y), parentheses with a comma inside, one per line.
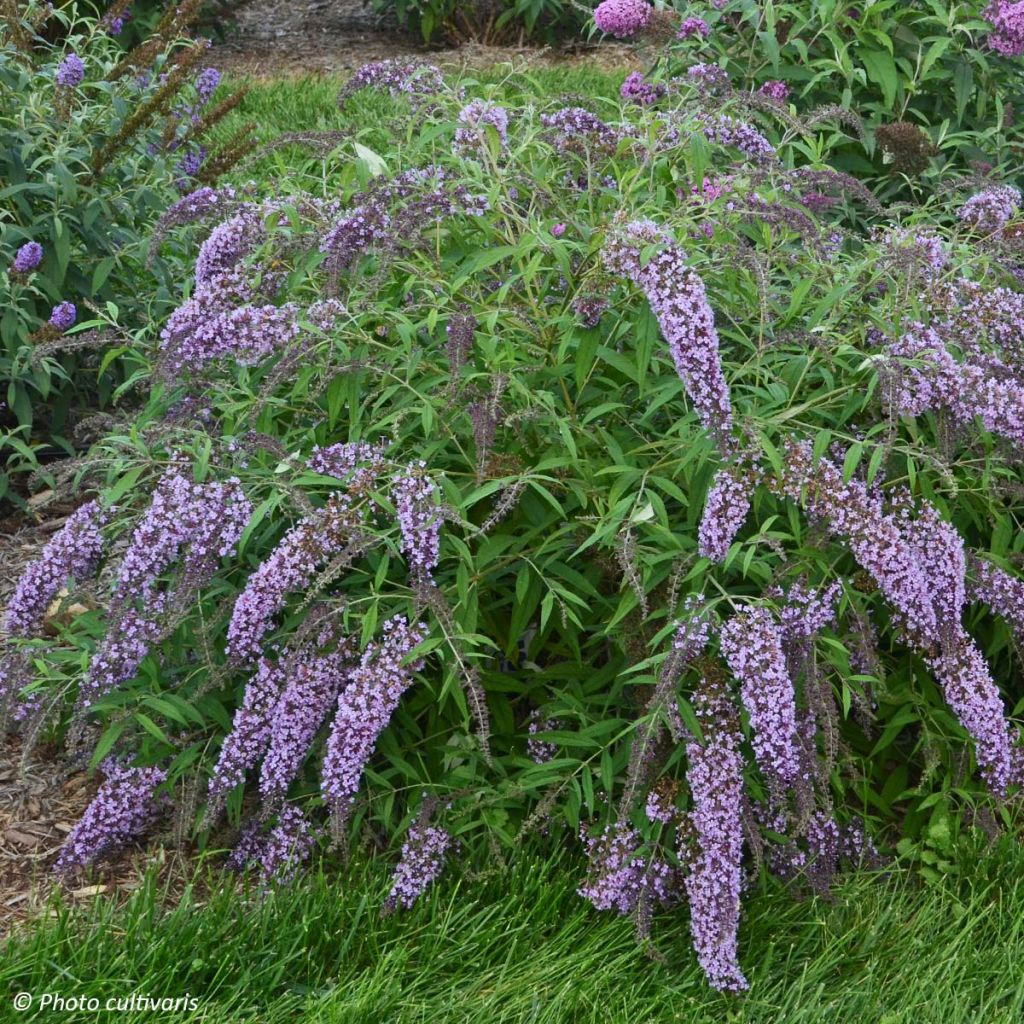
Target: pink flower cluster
(1007,20)
(622,18)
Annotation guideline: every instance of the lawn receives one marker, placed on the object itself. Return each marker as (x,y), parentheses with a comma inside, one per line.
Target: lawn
(519,946)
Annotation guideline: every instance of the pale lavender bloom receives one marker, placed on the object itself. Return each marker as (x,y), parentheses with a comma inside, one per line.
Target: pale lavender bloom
(752,644)
(925,251)
(27,258)
(854,511)
(541,751)
(725,509)
(63,315)
(577,130)
(615,878)
(775,90)
(637,89)
(715,775)
(693,27)
(1007,19)
(1003,593)
(658,808)
(412,80)
(279,853)
(474,118)
(358,463)
(678,299)
(421,863)
(121,809)
(988,212)
(291,566)
(206,83)
(709,78)
(727,131)
(419,519)
(365,708)
(808,610)
(124,647)
(71,71)
(229,243)
(247,742)
(622,18)
(314,681)
(75,550)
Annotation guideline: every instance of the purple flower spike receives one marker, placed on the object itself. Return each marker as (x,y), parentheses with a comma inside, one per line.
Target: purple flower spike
(422,861)
(622,18)
(63,316)
(71,71)
(27,258)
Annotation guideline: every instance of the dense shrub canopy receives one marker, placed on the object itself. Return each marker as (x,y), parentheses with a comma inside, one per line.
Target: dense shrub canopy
(611,468)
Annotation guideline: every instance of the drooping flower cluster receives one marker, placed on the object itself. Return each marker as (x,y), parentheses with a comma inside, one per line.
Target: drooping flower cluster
(474,119)
(725,509)
(75,550)
(414,81)
(728,131)
(279,853)
(677,298)
(314,680)
(63,316)
(244,746)
(619,875)
(121,809)
(1007,20)
(364,710)
(70,72)
(577,130)
(775,90)
(715,774)
(636,89)
(693,26)
(989,211)
(196,524)
(421,863)
(806,610)
(27,258)
(291,566)
(622,18)
(419,519)
(928,377)
(358,463)
(1003,593)
(752,644)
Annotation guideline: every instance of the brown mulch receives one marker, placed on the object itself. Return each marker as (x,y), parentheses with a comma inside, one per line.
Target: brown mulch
(295,38)
(40,802)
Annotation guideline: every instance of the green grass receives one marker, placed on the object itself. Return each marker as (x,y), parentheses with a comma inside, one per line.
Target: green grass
(522,947)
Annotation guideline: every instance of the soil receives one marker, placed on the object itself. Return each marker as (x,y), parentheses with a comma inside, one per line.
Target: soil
(286,38)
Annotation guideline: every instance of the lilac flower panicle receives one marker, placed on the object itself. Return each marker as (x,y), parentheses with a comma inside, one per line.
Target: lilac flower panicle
(616,869)
(419,519)
(727,131)
(122,807)
(808,610)
(364,710)
(124,647)
(715,775)
(27,258)
(314,680)
(70,72)
(63,316)
(622,18)
(752,643)
(421,863)
(677,297)
(659,808)
(637,89)
(1003,593)
(414,81)
(247,742)
(693,26)
(75,550)
(206,83)
(775,90)
(290,567)
(990,210)
(474,118)
(725,509)
(278,854)
(541,751)
(577,130)
(1007,20)
(357,462)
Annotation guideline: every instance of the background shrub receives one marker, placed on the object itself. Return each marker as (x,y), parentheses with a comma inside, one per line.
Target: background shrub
(487,21)
(95,142)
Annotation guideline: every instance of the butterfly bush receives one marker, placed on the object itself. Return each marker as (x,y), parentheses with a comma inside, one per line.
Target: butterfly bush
(622,18)
(444,341)
(1007,20)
